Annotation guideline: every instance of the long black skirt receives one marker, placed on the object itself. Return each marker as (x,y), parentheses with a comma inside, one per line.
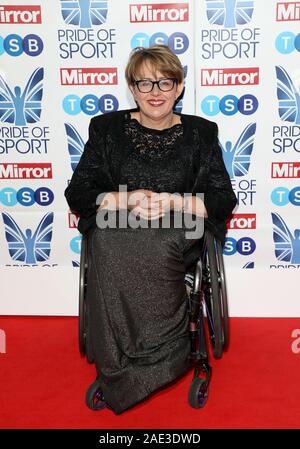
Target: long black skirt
(137,310)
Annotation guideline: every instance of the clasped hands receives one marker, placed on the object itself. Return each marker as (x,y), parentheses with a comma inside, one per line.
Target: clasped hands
(144,203)
(150,205)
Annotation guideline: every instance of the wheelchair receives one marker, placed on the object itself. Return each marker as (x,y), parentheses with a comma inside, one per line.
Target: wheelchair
(208,318)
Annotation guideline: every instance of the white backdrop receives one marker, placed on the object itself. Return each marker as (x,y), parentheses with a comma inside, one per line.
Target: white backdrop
(63,62)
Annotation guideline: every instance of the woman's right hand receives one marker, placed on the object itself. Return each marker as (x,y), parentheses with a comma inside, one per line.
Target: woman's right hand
(145,204)
(141,202)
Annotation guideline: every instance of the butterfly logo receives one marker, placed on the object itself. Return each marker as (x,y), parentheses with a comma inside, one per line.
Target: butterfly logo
(29,247)
(248,265)
(75,144)
(22,108)
(75,264)
(288,97)
(84,13)
(179,101)
(237,157)
(229,13)
(287,246)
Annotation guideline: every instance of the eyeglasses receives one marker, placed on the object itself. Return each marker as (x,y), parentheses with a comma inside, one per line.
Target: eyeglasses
(164,84)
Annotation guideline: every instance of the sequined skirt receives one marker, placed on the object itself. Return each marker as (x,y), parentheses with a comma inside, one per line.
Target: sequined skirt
(137,310)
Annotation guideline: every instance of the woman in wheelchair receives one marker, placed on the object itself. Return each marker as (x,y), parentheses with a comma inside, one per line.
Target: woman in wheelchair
(138,331)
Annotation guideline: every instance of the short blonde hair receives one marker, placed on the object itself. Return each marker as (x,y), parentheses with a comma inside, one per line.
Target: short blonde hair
(160,58)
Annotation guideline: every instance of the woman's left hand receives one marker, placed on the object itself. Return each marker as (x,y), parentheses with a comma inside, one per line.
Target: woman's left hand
(169,201)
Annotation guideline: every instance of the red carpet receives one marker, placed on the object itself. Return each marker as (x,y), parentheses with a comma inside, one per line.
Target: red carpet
(43,381)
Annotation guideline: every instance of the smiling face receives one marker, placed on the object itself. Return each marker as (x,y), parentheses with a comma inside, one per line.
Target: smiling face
(156,107)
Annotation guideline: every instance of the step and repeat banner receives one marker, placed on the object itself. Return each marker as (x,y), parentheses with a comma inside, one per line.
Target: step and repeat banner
(62,62)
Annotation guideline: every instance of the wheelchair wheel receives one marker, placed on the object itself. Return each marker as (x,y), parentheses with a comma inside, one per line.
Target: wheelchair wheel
(94,397)
(223,294)
(82,294)
(198,393)
(214,290)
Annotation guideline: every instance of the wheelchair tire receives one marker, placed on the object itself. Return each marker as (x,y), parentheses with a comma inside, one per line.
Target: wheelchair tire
(82,322)
(94,397)
(212,296)
(198,393)
(223,294)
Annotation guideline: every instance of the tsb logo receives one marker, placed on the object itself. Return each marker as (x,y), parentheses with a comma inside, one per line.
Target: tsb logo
(15,45)
(26,196)
(75,244)
(90,104)
(229,105)
(244,246)
(286,42)
(177,42)
(159,12)
(281,196)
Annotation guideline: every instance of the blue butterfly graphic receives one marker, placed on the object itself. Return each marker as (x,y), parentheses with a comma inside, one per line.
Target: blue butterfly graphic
(26,247)
(288,97)
(248,265)
(237,157)
(22,108)
(287,247)
(179,105)
(75,263)
(84,13)
(75,144)
(229,13)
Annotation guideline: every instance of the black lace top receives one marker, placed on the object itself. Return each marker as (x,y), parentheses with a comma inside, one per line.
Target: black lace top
(154,160)
(185,158)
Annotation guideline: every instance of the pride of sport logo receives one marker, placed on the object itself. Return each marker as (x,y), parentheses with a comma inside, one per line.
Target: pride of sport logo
(237,158)
(89,76)
(229,37)
(286,243)
(31,246)
(288,97)
(85,37)
(286,137)
(84,13)
(22,107)
(229,13)
(75,144)
(230,76)
(159,12)
(20,14)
